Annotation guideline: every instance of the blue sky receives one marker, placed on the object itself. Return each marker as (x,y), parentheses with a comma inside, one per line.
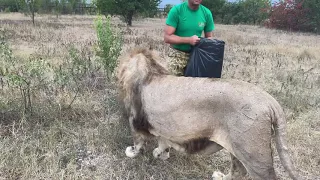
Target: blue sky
(164,2)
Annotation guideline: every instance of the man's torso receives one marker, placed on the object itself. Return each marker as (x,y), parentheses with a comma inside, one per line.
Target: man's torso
(190,22)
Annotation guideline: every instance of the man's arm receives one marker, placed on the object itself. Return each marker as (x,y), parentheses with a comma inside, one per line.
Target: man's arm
(209,28)
(208,35)
(171,38)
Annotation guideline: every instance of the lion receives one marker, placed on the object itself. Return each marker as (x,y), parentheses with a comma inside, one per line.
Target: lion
(202,115)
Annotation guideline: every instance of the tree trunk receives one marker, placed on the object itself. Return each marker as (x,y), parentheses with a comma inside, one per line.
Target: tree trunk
(129,18)
(32,16)
(30,4)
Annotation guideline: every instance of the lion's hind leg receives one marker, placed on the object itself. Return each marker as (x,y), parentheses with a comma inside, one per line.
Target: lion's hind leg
(162,151)
(164,145)
(260,170)
(237,171)
(259,164)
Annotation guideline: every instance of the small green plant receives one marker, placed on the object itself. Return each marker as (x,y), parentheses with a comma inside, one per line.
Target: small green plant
(35,75)
(74,73)
(29,77)
(109,44)
(5,54)
(26,76)
(7,10)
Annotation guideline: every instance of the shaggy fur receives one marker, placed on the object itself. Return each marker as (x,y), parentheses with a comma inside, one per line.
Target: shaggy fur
(202,115)
(130,86)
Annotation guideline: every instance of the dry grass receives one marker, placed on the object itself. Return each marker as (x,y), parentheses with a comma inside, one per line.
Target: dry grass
(87,141)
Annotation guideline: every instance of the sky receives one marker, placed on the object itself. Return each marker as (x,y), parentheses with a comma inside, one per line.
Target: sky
(164,2)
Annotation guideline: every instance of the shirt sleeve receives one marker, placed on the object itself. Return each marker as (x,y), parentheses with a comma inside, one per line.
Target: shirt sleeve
(210,23)
(172,19)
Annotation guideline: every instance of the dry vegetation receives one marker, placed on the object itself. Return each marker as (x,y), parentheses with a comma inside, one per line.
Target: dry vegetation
(76,131)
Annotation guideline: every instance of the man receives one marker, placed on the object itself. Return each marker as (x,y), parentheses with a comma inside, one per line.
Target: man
(185,24)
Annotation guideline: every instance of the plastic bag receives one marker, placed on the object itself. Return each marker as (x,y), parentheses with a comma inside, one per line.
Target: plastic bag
(206,59)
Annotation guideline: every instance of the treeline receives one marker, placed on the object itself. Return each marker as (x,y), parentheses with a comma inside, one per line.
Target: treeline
(243,11)
(128,9)
(293,15)
(48,6)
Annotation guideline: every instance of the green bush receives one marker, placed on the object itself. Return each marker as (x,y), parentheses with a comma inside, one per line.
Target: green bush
(109,44)
(34,80)
(25,76)
(294,18)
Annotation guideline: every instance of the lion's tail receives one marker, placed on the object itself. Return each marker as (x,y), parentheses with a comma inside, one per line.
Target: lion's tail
(279,125)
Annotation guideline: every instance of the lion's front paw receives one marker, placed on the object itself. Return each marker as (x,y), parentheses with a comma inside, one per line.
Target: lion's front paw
(217,175)
(164,155)
(131,152)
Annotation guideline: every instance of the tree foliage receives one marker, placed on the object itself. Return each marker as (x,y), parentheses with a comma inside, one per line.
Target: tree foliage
(127,8)
(313,13)
(44,6)
(293,15)
(11,5)
(252,11)
(215,7)
(242,11)
(167,8)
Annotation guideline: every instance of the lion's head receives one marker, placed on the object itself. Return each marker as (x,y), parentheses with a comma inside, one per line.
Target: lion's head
(135,69)
(138,67)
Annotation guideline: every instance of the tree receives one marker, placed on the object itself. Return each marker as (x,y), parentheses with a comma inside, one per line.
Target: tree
(252,11)
(31,4)
(313,13)
(215,7)
(167,8)
(242,11)
(73,4)
(57,7)
(12,6)
(127,8)
(228,12)
(29,7)
(289,15)
(45,6)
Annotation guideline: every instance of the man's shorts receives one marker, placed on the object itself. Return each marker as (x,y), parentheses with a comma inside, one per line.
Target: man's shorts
(177,61)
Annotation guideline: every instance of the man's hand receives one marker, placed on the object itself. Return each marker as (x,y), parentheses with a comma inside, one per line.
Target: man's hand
(171,38)
(194,40)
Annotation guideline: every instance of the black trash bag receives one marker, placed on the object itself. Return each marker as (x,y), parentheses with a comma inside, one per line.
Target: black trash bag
(206,59)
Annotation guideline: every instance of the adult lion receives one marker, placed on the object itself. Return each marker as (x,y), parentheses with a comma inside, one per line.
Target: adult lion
(202,115)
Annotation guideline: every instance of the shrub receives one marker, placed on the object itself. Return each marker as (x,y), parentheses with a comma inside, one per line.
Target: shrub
(289,15)
(29,82)
(25,76)
(109,44)
(313,14)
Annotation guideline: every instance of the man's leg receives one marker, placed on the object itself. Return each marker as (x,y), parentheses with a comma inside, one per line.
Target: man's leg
(177,62)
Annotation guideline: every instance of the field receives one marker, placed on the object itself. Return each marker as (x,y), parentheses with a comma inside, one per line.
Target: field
(62,121)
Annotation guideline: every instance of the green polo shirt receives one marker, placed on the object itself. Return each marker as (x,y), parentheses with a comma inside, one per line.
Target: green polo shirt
(189,22)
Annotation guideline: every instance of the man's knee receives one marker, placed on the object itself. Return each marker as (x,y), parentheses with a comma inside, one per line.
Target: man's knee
(178,63)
